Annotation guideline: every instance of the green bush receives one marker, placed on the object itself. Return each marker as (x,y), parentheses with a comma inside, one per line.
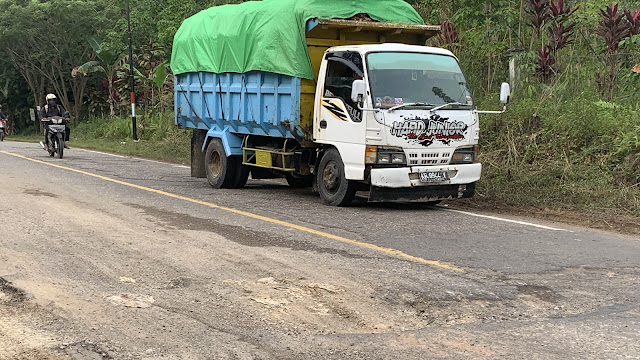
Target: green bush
(550,152)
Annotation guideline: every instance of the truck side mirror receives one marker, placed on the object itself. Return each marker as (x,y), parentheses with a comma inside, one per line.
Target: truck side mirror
(505,93)
(357,91)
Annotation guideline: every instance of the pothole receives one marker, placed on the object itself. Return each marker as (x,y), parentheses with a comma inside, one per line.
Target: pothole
(38,192)
(84,350)
(131,300)
(11,294)
(179,283)
(540,292)
(238,234)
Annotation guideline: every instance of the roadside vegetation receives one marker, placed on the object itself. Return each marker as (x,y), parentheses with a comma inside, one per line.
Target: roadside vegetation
(570,140)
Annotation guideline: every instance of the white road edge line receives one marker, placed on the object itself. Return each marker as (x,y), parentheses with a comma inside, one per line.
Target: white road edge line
(134,157)
(508,220)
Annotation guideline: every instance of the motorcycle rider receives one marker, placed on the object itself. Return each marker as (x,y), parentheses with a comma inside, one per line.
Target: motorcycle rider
(3,120)
(52,108)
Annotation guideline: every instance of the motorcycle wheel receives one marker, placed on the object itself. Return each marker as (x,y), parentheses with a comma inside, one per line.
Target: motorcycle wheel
(1,135)
(59,147)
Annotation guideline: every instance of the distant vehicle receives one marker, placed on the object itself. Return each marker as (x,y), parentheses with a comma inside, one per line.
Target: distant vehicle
(3,129)
(55,135)
(381,114)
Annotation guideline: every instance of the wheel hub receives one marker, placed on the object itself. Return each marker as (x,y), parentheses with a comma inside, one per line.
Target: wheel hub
(330,177)
(215,165)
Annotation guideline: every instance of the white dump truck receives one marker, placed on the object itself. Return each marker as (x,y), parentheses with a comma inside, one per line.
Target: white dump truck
(363,107)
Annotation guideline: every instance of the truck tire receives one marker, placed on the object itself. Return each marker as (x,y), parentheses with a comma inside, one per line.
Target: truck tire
(221,170)
(299,182)
(333,186)
(242,173)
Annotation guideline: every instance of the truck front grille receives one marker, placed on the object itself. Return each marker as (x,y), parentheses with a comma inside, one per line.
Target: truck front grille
(428,158)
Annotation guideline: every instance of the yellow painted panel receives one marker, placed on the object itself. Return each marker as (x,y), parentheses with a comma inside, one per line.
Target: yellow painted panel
(263,158)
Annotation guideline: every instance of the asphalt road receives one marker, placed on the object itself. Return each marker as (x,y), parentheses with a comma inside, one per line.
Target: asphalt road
(103,256)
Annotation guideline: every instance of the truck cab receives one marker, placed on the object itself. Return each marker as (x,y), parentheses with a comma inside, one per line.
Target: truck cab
(402,120)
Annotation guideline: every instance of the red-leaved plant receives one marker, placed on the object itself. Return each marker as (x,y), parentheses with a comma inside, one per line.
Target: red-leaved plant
(634,22)
(614,27)
(557,13)
(448,34)
(546,62)
(538,14)
(560,31)
(562,8)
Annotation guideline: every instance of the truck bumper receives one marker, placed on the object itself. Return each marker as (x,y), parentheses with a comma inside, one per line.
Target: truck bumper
(409,177)
(403,184)
(421,194)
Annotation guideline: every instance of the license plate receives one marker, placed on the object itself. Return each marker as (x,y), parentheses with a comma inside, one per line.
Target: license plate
(434,176)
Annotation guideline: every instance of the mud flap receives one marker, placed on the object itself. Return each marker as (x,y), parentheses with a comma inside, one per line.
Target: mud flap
(197,155)
(421,194)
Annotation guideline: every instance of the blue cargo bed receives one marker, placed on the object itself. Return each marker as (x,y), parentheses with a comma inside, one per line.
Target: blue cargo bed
(253,103)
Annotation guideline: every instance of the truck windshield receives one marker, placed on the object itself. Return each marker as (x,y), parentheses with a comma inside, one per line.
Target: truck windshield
(408,78)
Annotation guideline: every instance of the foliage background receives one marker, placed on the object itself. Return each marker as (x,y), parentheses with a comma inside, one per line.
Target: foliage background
(563,144)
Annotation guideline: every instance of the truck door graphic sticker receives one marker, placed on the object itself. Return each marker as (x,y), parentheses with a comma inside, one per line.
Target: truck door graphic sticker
(335,109)
(428,131)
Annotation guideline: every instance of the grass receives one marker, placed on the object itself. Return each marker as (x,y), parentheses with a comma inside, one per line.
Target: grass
(580,155)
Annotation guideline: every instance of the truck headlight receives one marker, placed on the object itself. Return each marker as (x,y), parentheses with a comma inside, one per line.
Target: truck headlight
(384,158)
(398,159)
(465,155)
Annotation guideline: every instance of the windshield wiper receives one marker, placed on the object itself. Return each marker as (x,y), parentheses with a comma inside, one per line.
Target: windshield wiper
(446,105)
(409,104)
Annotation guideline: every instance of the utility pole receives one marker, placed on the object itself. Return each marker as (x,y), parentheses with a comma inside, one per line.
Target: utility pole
(131,79)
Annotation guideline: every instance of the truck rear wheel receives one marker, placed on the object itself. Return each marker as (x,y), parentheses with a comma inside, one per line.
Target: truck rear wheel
(221,170)
(333,186)
(242,173)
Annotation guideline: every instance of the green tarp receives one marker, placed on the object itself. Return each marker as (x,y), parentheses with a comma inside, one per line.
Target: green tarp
(267,35)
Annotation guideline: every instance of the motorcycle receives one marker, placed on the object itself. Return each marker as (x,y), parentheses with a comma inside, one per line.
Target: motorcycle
(3,129)
(55,135)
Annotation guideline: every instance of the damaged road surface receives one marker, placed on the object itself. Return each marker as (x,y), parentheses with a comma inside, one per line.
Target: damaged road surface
(107,257)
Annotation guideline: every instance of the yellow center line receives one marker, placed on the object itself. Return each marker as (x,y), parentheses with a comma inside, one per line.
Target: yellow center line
(377,248)
(633,313)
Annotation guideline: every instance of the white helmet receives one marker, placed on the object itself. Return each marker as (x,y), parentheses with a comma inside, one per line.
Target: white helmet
(50,97)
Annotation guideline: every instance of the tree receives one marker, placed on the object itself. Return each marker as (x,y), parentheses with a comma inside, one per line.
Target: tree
(110,62)
(45,40)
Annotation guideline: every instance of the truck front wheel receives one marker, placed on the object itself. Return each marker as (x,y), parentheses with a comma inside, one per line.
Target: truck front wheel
(221,170)
(333,186)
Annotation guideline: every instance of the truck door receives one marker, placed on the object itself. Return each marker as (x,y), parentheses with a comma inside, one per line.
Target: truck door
(338,119)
